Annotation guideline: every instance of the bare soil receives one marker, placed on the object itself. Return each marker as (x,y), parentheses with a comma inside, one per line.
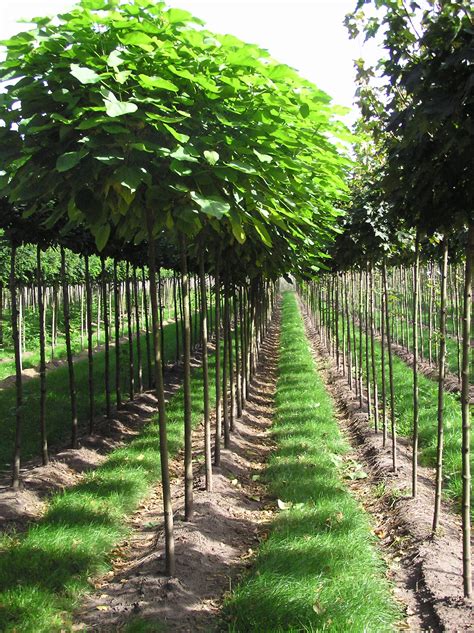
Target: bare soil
(213,548)
(426,570)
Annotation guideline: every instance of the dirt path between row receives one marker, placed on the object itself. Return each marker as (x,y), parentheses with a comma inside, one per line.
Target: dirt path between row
(214,548)
(427,571)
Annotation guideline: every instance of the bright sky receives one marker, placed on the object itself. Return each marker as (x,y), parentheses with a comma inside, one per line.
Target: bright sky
(306,34)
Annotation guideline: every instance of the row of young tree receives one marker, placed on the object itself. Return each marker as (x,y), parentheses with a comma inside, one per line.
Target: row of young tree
(411,202)
(132,131)
(81,272)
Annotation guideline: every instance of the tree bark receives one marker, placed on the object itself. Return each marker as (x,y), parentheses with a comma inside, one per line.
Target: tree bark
(188,447)
(160,396)
(441,380)
(42,341)
(137,326)
(118,388)
(205,377)
(390,368)
(131,364)
(105,310)
(18,376)
(70,363)
(147,330)
(414,480)
(217,445)
(90,352)
(466,413)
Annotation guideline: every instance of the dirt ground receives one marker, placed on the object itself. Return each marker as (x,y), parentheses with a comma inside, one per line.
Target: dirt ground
(214,547)
(426,570)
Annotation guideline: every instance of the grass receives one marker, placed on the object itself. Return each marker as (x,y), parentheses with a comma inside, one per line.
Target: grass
(319,569)
(44,572)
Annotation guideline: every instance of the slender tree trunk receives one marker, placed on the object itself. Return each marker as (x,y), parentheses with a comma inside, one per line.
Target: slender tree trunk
(390,368)
(131,364)
(188,446)
(466,413)
(372,350)
(176,324)
(336,317)
(81,299)
(348,329)
(205,377)
(162,331)
(67,330)
(18,376)
(231,365)
(118,388)
(416,271)
(160,396)
(106,339)
(42,341)
(147,330)
(90,352)
(456,324)
(242,348)
(384,382)
(441,379)
(217,446)
(367,340)
(238,393)
(361,356)
(137,325)
(225,368)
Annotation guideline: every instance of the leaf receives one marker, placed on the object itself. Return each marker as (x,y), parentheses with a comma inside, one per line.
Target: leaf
(184,154)
(131,177)
(240,166)
(114,59)
(176,16)
(263,158)
(102,234)
(284,505)
(211,205)
(211,157)
(122,76)
(180,168)
(67,161)
(237,229)
(182,138)
(115,108)
(157,82)
(136,38)
(84,75)
(304,110)
(255,477)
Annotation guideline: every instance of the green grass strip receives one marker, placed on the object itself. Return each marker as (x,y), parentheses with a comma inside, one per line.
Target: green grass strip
(44,572)
(319,569)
